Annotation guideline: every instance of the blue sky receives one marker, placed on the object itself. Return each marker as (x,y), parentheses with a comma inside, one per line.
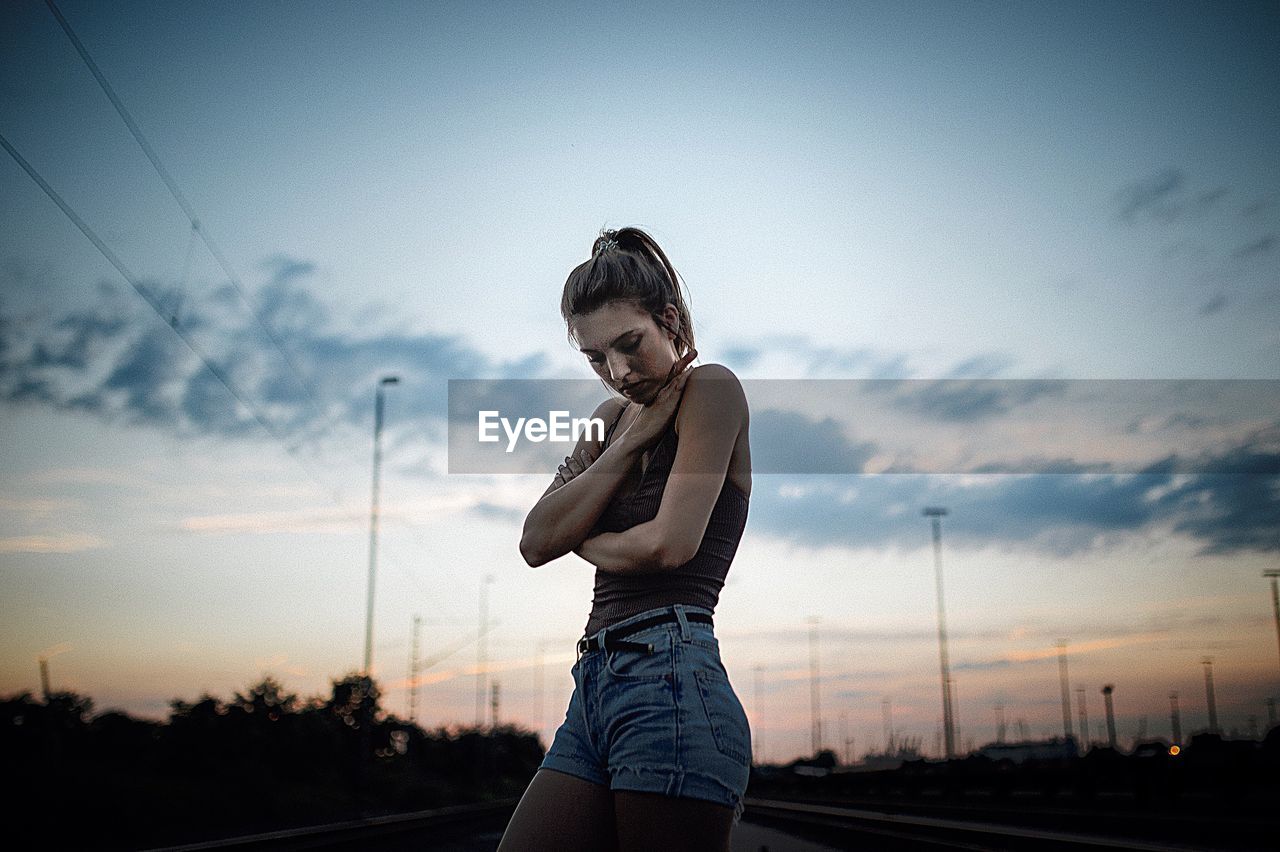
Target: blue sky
(851,191)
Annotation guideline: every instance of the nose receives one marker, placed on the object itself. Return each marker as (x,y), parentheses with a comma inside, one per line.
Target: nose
(618,368)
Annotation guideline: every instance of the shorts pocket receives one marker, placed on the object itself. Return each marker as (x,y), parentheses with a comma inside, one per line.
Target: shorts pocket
(625,664)
(728,720)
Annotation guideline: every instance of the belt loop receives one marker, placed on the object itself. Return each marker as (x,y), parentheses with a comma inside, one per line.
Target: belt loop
(684,622)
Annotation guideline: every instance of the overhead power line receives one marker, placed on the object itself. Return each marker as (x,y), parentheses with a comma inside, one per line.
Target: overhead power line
(171,321)
(188,211)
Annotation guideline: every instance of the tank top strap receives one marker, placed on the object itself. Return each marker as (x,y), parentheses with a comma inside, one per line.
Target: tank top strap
(609,434)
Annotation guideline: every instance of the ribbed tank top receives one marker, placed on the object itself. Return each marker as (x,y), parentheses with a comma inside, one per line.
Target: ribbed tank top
(697,582)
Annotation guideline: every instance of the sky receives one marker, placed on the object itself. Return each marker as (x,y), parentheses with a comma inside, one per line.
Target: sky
(1025,218)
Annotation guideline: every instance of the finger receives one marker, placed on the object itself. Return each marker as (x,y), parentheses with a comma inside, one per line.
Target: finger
(586,456)
(575,464)
(680,366)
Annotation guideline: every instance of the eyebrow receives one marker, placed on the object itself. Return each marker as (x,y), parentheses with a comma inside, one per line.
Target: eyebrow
(615,340)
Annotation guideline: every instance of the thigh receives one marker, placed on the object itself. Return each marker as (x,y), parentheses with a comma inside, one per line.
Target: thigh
(561,813)
(655,821)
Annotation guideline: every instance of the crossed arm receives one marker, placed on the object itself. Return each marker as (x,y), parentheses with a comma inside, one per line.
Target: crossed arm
(711,415)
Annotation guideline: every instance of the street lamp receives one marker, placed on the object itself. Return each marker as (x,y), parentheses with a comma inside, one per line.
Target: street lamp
(935,513)
(1275,597)
(373,518)
(815,713)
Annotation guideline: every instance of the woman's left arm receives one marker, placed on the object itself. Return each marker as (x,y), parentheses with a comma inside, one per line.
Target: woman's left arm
(712,414)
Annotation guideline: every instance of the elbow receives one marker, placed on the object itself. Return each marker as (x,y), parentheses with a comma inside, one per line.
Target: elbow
(532,551)
(670,555)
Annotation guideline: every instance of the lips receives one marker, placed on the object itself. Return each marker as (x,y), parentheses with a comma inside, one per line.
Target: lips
(630,390)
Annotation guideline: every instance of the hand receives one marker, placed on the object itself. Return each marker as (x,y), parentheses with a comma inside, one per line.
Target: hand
(573,465)
(656,415)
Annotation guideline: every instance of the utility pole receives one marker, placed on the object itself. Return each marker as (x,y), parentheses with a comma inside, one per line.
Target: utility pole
(493,705)
(815,716)
(413,672)
(1111,715)
(1207,662)
(1066,690)
(1274,573)
(1084,718)
(757,751)
(1175,718)
(935,514)
(44,677)
(886,710)
(366,707)
(373,519)
(538,690)
(482,651)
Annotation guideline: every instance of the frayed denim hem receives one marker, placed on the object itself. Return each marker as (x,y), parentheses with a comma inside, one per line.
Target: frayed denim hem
(681,783)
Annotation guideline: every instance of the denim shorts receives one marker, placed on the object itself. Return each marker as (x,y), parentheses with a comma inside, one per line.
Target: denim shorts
(663,722)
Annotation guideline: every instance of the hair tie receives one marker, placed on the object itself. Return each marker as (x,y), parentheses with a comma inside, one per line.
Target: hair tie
(609,242)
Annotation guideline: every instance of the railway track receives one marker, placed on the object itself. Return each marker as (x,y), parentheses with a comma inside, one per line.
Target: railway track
(957,827)
(459,827)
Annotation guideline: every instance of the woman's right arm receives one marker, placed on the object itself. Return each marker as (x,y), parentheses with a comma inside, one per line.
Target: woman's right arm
(567,512)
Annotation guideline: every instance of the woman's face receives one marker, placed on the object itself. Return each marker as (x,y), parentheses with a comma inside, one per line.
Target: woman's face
(626,348)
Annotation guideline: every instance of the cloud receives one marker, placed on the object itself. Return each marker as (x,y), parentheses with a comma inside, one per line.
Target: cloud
(1059,515)
(965,402)
(1259,246)
(1213,306)
(787,440)
(1151,197)
(743,357)
(117,360)
(809,360)
(984,366)
(63,542)
(1074,650)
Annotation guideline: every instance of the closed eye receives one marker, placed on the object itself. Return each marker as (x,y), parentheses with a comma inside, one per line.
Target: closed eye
(629,348)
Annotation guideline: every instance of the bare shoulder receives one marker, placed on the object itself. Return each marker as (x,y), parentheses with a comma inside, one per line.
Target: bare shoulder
(713,387)
(716,381)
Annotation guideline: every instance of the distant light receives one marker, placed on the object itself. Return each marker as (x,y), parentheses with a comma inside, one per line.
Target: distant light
(1174,751)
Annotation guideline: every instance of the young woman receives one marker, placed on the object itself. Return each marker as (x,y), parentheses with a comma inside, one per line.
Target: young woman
(655,750)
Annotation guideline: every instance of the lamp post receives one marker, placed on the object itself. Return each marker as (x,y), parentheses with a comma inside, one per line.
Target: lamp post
(1111,715)
(1275,597)
(1209,698)
(373,518)
(935,513)
(757,753)
(815,713)
(482,653)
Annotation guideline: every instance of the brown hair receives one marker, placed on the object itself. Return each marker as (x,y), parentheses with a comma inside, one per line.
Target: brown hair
(627,264)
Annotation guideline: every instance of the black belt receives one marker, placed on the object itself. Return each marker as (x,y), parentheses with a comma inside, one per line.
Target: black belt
(590,643)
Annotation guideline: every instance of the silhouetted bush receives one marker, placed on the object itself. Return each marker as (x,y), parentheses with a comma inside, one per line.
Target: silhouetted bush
(264,760)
